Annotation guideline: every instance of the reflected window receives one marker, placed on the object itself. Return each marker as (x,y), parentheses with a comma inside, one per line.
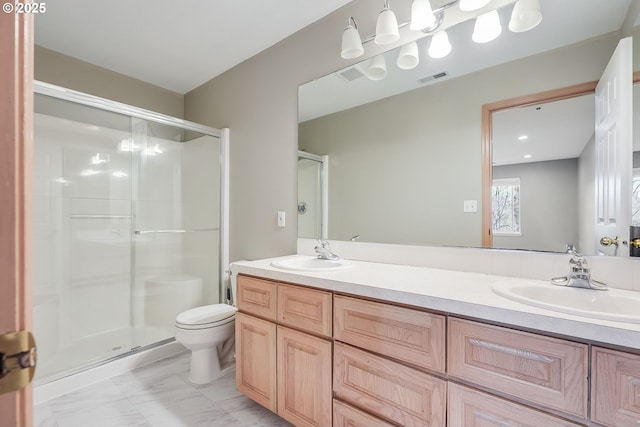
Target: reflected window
(505,206)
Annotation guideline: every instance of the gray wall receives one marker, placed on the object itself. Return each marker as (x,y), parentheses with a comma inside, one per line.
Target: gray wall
(258,101)
(548,205)
(62,70)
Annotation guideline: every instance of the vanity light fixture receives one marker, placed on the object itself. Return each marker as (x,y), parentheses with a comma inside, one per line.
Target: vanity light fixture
(408,57)
(351,42)
(421,15)
(487,27)
(526,15)
(377,68)
(387,26)
(440,46)
(471,5)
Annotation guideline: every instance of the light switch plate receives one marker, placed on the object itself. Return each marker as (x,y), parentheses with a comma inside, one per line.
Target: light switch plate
(471,206)
(281,219)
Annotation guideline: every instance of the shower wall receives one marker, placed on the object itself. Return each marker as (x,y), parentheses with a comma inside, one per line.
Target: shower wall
(126,231)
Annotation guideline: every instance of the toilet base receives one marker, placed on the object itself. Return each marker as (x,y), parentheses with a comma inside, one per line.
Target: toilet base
(205,368)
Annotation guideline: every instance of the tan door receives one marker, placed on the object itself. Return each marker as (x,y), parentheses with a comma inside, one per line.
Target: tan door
(614,104)
(16,113)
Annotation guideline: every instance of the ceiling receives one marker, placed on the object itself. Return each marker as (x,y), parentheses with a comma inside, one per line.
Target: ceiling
(177,45)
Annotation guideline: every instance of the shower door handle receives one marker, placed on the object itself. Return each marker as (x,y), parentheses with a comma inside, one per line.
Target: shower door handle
(17,360)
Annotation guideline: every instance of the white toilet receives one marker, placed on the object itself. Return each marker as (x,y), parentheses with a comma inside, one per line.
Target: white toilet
(209,332)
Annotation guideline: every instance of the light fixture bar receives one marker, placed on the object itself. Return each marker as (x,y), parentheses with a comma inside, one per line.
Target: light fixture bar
(439,12)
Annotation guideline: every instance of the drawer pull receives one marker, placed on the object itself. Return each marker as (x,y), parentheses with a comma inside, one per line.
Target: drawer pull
(491,419)
(511,350)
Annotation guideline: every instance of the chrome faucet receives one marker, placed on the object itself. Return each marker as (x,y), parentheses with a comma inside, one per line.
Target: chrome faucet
(324,251)
(580,274)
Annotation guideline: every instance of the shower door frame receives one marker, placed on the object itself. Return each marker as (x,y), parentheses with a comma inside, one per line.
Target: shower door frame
(324,189)
(81,98)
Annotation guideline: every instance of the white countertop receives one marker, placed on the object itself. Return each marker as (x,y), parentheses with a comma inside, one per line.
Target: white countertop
(453,292)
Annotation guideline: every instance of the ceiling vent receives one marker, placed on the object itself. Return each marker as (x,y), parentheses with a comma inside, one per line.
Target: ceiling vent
(350,74)
(433,77)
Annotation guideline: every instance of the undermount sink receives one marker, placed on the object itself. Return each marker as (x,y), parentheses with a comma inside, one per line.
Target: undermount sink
(613,304)
(311,264)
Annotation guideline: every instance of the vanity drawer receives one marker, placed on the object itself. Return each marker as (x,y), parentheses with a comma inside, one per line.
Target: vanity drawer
(257,296)
(304,308)
(388,389)
(472,408)
(409,335)
(542,370)
(345,415)
(615,392)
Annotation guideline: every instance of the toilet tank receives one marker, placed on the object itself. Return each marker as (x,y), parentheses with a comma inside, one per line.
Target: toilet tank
(166,296)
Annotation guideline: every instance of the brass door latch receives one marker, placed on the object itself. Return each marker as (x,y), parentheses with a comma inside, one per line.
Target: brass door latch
(608,241)
(17,360)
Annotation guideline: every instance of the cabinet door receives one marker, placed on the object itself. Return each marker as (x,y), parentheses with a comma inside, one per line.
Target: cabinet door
(257,296)
(547,371)
(304,378)
(471,408)
(348,416)
(404,395)
(406,334)
(304,308)
(615,392)
(256,359)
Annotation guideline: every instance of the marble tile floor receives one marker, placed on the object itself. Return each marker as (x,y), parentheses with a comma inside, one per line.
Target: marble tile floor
(156,395)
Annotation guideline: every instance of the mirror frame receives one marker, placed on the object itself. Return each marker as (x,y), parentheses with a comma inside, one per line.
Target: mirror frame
(487,130)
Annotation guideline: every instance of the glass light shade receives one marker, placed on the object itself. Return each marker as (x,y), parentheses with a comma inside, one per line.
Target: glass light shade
(440,46)
(421,15)
(408,57)
(487,27)
(387,27)
(469,5)
(377,68)
(526,15)
(351,43)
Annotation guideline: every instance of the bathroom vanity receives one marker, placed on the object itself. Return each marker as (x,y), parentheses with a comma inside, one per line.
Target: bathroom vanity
(388,345)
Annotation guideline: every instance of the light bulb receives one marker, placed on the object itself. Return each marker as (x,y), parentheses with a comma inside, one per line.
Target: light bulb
(440,46)
(487,27)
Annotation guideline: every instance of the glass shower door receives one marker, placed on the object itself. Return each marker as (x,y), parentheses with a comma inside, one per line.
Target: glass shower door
(82,235)
(176,246)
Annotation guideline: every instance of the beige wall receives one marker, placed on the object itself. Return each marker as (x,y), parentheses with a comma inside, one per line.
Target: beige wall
(65,71)
(258,101)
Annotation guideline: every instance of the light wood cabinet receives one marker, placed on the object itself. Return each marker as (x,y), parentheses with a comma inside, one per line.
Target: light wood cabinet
(472,408)
(257,296)
(319,359)
(304,378)
(285,370)
(542,370)
(256,359)
(413,336)
(393,391)
(306,309)
(345,415)
(615,388)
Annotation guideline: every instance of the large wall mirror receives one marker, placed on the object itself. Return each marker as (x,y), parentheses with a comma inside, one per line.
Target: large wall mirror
(405,153)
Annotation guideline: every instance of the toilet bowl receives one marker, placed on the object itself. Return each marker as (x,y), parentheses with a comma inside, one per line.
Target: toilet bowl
(209,332)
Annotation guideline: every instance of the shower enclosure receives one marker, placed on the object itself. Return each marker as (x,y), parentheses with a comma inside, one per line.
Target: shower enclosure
(128,225)
(313,195)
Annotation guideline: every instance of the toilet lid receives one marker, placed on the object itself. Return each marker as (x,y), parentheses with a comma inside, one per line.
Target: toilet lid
(206,314)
